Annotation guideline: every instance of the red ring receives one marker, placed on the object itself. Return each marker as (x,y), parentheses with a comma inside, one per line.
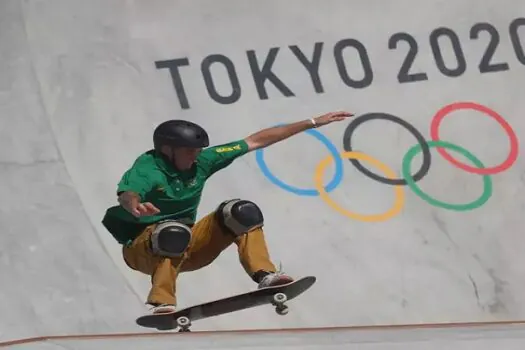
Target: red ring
(434,131)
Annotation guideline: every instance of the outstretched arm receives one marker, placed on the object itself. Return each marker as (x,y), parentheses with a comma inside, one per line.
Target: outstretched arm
(269,136)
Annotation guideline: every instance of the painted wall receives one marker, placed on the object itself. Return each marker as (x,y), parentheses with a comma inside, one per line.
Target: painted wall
(412,211)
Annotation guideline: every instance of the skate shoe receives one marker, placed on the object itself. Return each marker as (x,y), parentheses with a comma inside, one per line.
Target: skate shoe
(163,309)
(275,279)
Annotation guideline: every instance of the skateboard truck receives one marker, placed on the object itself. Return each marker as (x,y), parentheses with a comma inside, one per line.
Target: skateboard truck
(184,324)
(279,300)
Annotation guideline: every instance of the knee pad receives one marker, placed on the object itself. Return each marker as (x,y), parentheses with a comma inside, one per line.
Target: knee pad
(170,238)
(239,216)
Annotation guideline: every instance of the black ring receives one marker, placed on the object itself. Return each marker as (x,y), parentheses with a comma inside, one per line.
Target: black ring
(347,144)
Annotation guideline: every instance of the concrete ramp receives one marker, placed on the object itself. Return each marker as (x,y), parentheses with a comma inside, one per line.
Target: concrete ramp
(411,212)
(408,337)
(56,275)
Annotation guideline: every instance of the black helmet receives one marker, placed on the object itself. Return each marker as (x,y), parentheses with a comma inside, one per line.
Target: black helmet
(180,133)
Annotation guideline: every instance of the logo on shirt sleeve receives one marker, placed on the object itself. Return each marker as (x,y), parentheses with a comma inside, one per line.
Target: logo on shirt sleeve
(228,149)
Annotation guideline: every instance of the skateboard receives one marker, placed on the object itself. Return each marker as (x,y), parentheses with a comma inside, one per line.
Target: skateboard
(276,296)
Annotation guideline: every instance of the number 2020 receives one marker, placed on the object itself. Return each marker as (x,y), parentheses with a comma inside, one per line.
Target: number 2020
(485,65)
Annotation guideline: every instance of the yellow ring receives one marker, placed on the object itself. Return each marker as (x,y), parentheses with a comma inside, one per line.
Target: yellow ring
(398,190)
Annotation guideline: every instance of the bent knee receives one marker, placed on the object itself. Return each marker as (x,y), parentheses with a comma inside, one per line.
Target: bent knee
(170,238)
(239,216)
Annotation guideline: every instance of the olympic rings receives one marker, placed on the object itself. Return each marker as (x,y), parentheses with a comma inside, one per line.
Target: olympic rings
(338,176)
(400,195)
(347,144)
(407,179)
(507,163)
(487,182)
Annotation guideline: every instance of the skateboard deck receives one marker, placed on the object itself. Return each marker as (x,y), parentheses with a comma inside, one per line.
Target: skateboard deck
(276,296)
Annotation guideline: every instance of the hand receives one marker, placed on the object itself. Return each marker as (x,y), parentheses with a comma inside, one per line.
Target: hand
(331,117)
(131,202)
(144,209)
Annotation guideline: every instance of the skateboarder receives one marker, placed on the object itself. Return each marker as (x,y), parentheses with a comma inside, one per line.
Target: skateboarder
(158,198)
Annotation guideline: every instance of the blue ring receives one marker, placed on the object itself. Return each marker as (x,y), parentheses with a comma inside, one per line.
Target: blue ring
(338,176)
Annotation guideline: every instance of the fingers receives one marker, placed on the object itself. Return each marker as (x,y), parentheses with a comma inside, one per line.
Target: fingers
(144,209)
(342,114)
(333,116)
(151,209)
(135,212)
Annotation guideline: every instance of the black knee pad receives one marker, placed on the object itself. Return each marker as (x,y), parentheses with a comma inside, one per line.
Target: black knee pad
(239,216)
(170,238)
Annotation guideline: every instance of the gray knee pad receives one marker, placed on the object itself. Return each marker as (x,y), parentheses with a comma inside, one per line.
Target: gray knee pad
(170,238)
(239,216)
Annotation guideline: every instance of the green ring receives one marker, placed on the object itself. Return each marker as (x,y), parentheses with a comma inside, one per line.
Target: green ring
(487,182)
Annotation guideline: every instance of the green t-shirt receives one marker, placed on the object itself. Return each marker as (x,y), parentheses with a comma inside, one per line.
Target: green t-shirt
(176,194)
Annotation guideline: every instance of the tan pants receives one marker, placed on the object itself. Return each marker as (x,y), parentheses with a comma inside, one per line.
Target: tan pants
(207,242)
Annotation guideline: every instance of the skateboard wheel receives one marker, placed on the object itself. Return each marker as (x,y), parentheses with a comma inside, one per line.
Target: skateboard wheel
(282,310)
(183,322)
(280,298)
